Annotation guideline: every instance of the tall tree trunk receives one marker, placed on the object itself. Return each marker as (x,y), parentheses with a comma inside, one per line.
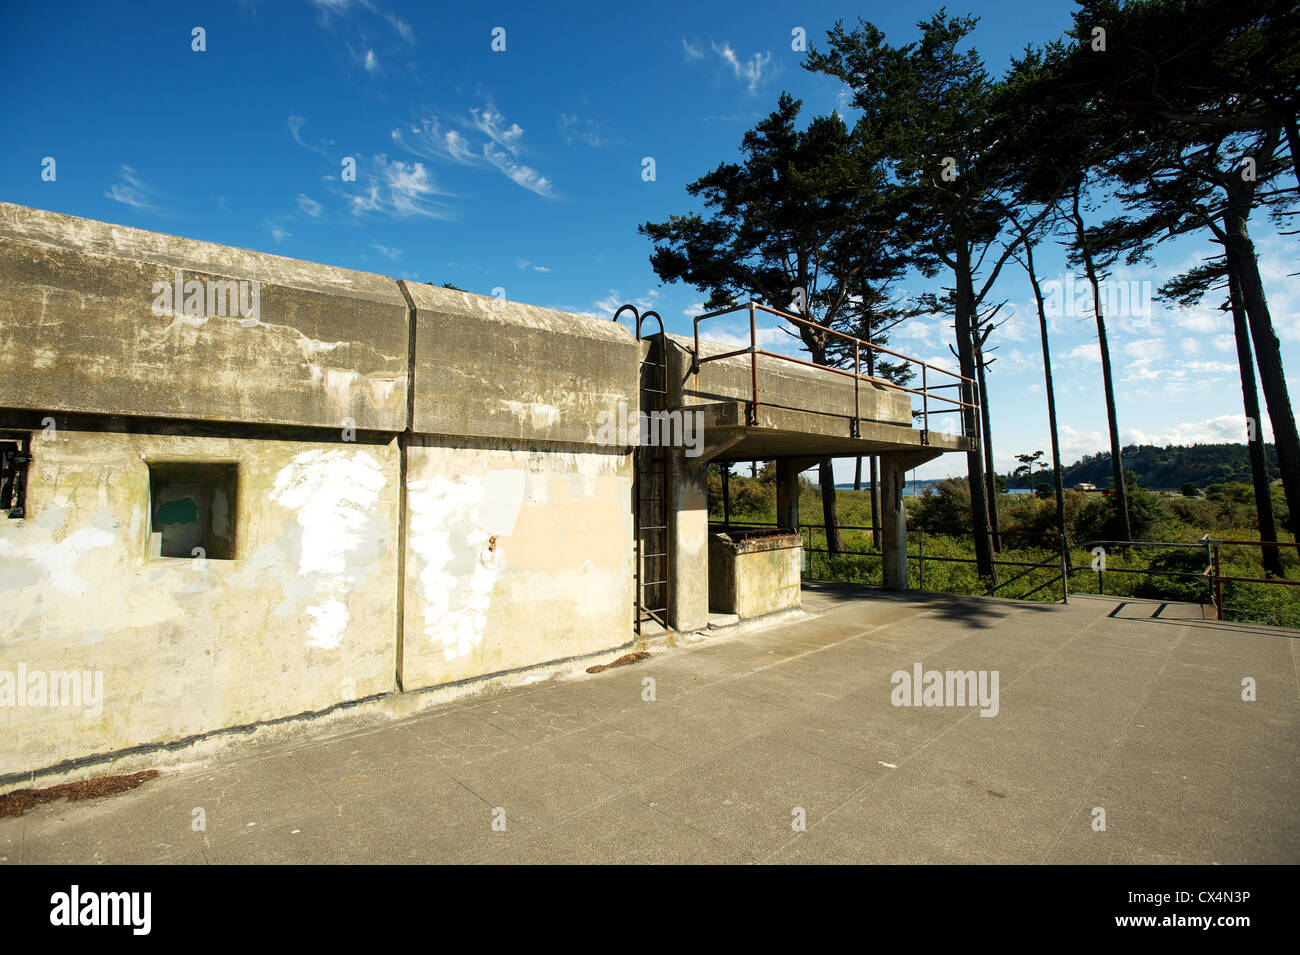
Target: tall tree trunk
(830,508)
(986,429)
(1292,141)
(963,309)
(1116,463)
(1254,432)
(1051,392)
(1242,262)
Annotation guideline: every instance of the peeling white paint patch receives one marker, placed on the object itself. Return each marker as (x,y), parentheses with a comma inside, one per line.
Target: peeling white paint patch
(311,347)
(381,389)
(340,384)
(331,618)
(538,415)
(455,583)
(503,496)
(333,494)
(58,560)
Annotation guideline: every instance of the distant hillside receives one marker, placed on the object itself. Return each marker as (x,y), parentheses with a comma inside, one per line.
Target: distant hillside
(1167,468)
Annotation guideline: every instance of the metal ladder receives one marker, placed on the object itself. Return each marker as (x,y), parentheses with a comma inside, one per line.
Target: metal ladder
(650,486)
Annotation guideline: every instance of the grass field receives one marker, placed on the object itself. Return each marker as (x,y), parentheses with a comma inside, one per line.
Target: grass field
(939,530)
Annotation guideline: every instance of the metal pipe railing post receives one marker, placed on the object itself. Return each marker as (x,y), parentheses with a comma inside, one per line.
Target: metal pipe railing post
(753,364)
(857,379)
(1209,567)
(726,494)
(925,405)
(1065,572)
(1218,584)
(920,534)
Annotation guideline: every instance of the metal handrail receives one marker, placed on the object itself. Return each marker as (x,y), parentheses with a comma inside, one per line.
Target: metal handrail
(1213,575)
(926,391)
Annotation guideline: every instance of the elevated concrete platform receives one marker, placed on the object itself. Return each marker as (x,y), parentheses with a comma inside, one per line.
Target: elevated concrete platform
(786,432)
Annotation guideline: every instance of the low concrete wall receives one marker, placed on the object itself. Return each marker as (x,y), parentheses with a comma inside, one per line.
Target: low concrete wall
(781,384)
(752,575)
(302,618)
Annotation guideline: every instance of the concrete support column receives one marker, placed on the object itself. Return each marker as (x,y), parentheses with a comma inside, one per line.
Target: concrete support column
(893,520)
(787,493)
(688,542)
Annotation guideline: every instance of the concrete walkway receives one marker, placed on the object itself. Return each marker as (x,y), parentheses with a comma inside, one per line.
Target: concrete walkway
(1137,715)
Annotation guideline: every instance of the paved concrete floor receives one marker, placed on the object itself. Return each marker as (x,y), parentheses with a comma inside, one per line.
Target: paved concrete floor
(1140,716)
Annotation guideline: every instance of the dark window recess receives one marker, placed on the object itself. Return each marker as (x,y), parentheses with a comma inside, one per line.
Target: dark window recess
(15,455)
(191,506)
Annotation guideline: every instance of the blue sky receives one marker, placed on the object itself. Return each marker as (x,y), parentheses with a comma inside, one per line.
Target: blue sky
(522,169)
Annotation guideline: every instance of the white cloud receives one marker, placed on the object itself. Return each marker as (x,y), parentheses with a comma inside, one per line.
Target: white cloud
(130,190)
(485,138)
(393,254)
(1087,352)
(309,206)
(583,129)
(517,172)
(402,27)
(277,233)
(399,189)
(296,123)
(691,52)
(750,71)
(493,125)
(1228,428)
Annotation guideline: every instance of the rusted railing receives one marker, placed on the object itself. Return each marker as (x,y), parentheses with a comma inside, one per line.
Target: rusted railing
(1212,574)
(967,387)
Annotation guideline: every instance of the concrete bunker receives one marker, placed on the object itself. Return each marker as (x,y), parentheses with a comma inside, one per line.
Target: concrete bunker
(369,487)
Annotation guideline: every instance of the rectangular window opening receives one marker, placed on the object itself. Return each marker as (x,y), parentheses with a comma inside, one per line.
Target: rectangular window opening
(192,508)
(15,456)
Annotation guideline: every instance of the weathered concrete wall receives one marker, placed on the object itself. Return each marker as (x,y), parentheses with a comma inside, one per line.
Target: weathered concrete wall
(302,618)
(79,333)
(489,368)
(519,487)
(516,555)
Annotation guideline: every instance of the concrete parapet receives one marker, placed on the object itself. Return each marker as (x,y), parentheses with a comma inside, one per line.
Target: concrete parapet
(105,319)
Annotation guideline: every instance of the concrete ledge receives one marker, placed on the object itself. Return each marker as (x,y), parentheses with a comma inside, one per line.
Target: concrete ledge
(489,368)
(79,322)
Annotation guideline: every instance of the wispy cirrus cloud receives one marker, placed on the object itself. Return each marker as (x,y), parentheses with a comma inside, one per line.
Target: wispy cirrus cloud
(329,9)
(296,123)
(484,138)
(395,188)
(748,71)
(278,232)
(583,129)
(751,70)
(130,190)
